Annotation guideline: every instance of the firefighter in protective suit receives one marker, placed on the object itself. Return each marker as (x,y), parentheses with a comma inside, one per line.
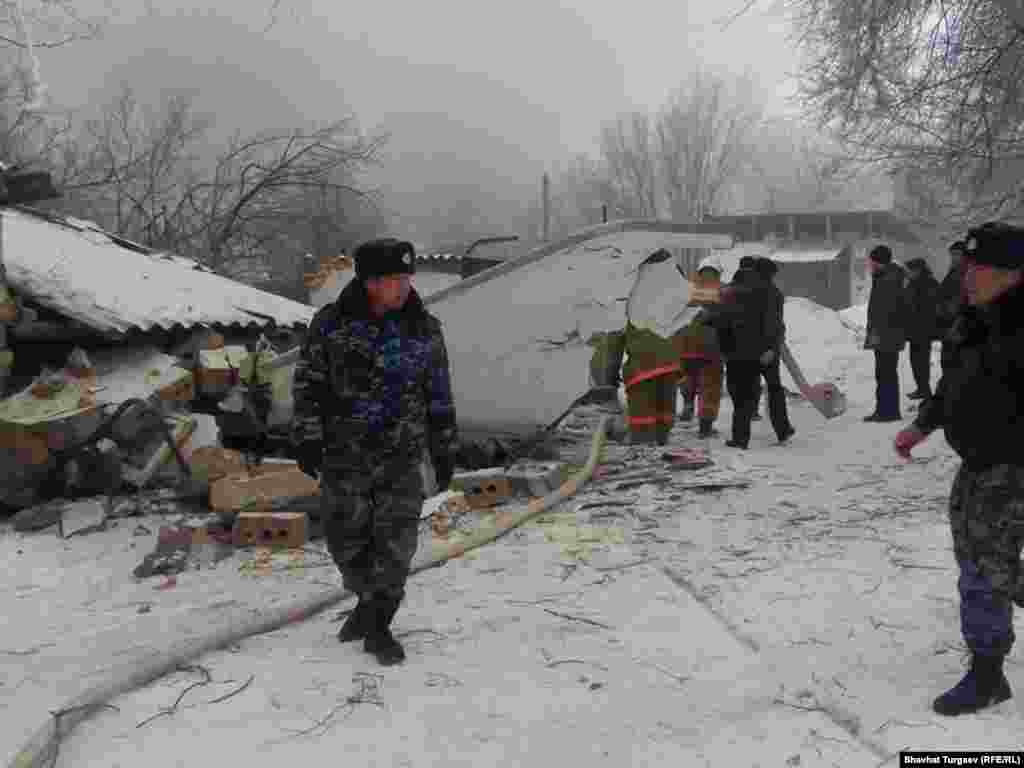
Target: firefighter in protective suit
(700,354)
(651,371)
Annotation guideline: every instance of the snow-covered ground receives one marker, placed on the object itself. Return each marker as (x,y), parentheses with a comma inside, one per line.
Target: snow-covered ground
(807,620)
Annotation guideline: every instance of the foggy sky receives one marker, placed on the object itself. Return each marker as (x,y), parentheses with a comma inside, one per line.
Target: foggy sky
(510,87)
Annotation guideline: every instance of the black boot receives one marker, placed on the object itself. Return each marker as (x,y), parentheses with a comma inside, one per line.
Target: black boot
(355,625)
(706,430)
(379,640)
(983,686)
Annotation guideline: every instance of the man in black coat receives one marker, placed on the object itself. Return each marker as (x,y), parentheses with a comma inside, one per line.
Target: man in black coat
(746,324)
(978,402)
(886,332)
(922,326)
(770,371)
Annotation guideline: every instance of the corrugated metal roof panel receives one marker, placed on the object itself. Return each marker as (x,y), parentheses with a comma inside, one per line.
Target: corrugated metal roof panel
(114,286)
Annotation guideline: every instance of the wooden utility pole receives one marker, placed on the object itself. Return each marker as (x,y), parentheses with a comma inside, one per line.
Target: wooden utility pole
(545,191)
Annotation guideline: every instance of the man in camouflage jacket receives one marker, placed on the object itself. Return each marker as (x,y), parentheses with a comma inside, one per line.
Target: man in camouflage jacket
(979,401)
(372,392)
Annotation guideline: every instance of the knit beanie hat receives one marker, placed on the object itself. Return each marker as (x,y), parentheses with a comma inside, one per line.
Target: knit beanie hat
(881,254)
(996,244)
(384,256)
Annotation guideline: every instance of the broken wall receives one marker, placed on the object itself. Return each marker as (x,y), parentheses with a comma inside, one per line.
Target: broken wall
(517,336)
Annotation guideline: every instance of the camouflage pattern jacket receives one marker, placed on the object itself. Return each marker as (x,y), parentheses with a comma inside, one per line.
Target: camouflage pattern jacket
(980,397)
(376,391)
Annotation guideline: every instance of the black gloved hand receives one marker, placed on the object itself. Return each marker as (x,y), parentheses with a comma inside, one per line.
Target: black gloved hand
(310,457)
(444,470)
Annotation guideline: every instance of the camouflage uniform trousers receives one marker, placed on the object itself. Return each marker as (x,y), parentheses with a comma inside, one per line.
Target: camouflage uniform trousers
(986,511)
(371,522)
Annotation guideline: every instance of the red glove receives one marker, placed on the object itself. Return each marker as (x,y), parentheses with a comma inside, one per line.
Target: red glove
(906,439)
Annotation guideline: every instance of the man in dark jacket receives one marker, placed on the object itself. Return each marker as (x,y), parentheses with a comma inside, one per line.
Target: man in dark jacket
(979,401)
(950,295)
(746,324)
(372,392)
(770,371)
(922,326)
(886,331)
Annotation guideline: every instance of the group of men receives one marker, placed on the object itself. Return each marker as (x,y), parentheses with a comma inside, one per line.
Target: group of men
(373,395)
(737,330)
(908,307)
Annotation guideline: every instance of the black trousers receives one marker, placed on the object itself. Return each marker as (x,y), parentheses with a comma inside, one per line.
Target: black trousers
(743,380)
(920,364)
(887,383)
(777,411)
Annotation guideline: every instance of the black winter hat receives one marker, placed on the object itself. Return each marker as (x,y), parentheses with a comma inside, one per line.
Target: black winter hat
(748,262)
(996,244)
(881,254)
(765,267)
(384,256)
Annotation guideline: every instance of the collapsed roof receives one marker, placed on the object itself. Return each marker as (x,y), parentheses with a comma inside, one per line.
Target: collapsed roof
(114,286)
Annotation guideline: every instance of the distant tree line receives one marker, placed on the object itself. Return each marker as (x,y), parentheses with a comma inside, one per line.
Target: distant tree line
(710,149)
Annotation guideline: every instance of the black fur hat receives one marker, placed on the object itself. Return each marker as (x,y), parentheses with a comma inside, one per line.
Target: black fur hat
(881,254)
(996,244)
(765,267)
(384,256)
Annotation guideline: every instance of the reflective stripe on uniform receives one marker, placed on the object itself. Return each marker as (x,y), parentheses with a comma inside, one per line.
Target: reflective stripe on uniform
(652,373)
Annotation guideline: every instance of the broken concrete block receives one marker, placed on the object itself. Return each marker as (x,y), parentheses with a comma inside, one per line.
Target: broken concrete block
(40,516)
(259,489)
(483,488)
(287,529)
(140,468)
(179,546)
(217,369)
(145,373)
(535,478)
(83,516)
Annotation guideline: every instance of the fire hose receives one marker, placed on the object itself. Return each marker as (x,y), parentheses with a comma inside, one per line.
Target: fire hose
(41,750)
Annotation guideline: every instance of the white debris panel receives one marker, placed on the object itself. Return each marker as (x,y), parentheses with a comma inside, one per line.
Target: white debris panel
(517,333)
(113,286)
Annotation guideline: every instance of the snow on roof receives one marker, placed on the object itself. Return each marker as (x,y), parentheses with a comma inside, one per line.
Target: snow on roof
(114,286)
(728,261)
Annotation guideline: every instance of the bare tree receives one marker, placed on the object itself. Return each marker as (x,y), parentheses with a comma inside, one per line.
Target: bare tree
(30,131)
(582,193)
(254,185)
(704,137)
(627,148)
(134,163)
(797,168)
(933,86)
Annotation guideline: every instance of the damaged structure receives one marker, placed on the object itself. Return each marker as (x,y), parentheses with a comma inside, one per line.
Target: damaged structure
(113,351)
(519,333)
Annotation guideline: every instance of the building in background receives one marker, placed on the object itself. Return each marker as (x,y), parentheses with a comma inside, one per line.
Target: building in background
(821,256)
